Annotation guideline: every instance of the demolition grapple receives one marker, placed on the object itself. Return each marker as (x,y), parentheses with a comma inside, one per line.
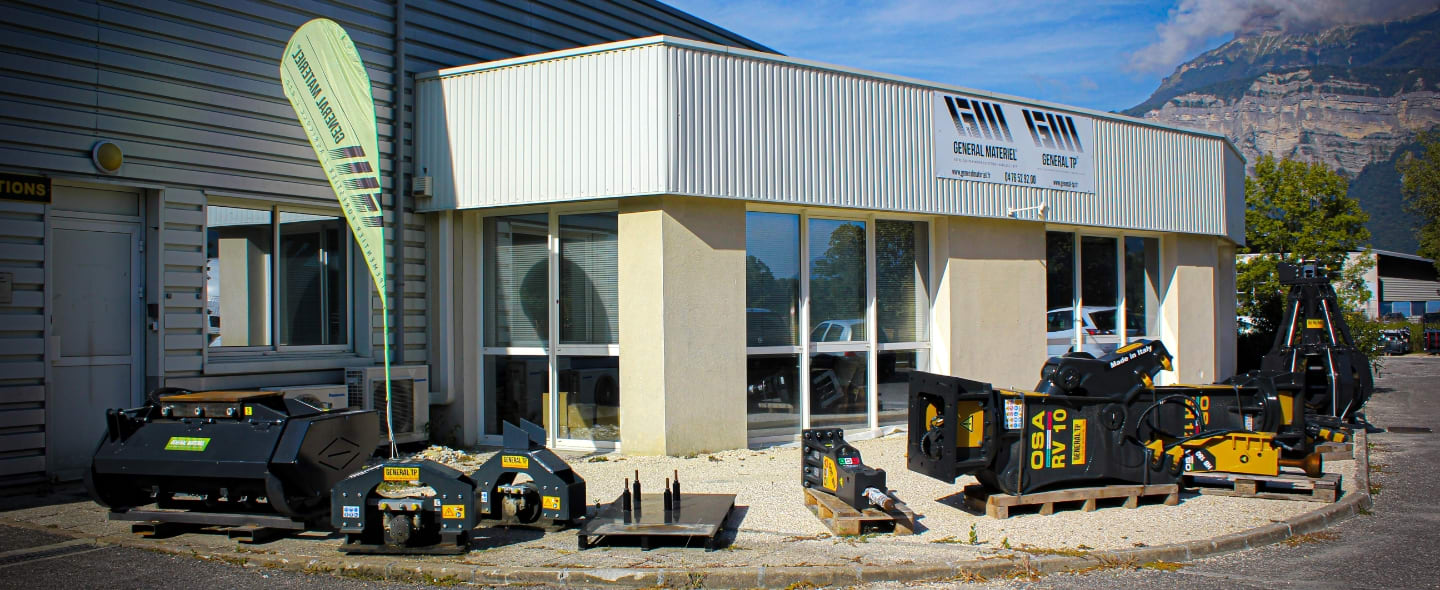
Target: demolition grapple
(1314,343)
(386,508)
(830,464)
(1102,421)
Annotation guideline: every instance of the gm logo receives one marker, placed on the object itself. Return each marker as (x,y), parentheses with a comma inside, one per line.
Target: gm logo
(978,119)
(1053,131)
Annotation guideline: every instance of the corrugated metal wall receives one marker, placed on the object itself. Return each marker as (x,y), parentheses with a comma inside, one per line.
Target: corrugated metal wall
(1398,289)
(191,92)
(741,125)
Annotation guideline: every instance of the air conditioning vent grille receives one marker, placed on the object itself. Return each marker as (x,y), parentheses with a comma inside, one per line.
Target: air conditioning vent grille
(355,389)
(402,399)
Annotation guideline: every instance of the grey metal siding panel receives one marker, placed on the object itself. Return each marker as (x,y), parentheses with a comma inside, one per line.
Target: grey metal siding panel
(182,259)
(1395,289)
(22,342)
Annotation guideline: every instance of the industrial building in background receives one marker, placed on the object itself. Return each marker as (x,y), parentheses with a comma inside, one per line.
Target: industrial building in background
(661,244)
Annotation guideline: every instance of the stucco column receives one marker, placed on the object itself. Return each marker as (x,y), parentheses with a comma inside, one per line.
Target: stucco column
(991,307)
(682,325)
(1189,264)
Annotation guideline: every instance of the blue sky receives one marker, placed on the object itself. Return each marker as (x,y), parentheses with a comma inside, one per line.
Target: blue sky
(1101,54)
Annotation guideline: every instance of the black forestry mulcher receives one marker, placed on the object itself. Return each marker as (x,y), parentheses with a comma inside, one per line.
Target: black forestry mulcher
(229,458)
(387,508)
(1314,343)
(1103,421)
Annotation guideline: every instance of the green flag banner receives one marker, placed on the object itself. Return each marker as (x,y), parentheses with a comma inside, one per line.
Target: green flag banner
(325,80)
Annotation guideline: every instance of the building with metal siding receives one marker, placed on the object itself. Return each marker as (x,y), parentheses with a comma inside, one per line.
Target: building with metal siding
(806,202)
(190,92)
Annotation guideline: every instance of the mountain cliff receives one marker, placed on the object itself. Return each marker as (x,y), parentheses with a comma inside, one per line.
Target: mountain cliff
(1351,97)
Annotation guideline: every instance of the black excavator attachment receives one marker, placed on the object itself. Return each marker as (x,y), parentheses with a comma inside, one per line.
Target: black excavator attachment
(528,485)
(232,458)
(1102,421)
(830,464)
(1314,343)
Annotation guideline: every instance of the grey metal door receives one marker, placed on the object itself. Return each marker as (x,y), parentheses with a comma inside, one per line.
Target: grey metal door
(96,337)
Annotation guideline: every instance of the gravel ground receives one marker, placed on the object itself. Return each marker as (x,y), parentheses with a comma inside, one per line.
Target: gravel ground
(775,527)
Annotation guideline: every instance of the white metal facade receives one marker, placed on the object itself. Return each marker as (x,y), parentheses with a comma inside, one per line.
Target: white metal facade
(670,116)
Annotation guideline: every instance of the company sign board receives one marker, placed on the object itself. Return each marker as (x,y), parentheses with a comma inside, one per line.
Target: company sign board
(25,188)
(988,140)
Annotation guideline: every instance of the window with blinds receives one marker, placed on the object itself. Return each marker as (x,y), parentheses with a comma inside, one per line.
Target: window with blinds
(902,280)
(516,280)
(589,279)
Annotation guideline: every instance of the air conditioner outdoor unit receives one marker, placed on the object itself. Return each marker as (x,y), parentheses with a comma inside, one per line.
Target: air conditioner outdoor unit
(329,397)
(410,398)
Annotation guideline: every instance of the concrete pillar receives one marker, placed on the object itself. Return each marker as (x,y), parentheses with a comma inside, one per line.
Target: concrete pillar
(682,325)
(1225,334)
(1189,265)
(990,310)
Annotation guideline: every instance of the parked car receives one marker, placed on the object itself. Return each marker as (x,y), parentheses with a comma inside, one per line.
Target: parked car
(1395,341)
(1098,323)
(1393,316)
(1245,325)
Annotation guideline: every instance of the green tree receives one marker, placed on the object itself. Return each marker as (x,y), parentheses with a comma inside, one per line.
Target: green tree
(1298,211)
(1420,185)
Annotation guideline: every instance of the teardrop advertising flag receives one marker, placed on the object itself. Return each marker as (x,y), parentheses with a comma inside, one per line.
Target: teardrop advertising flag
(325,80)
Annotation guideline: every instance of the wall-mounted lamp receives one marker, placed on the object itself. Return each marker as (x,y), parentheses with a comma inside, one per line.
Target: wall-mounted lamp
(107,156)
(1013,212)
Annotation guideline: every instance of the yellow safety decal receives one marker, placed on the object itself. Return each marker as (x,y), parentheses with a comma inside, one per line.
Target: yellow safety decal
(1315,324)
(514,461)
(1130,347)
(249,410)
(402,473)
(452,511)
(829,476)
(550,502)
(1077,441)
(972,424)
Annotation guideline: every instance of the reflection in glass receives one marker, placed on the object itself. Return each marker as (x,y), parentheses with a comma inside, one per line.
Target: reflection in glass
(772,395)
(1099,294)
(902,273)
(837,390)
(238,244)
(837,280)
(589,397)
(588,279)
(772,278)
(516,280)
(313,289)
(1059,292)
(515,388)
(1142,288)
(893,375)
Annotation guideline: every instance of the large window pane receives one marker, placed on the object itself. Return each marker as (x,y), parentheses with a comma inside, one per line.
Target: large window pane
(516,280)
(313,287)
(772,395)
(516,388)
(589,397)
(1099,294)
(837,390)
(893,376)
(837,280)
(1142,288)
(588,279)
(772,278)
(238,244)
(902,280)
(1059,292)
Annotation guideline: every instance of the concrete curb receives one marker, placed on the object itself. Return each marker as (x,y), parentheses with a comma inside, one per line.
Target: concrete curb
(776,577)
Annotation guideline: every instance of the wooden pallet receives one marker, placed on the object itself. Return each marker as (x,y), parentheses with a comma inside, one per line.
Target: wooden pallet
(1336,451)
(842,519)
(1286,486)
(999,505)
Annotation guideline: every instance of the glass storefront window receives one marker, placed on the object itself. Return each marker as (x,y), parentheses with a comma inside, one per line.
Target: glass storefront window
(902,280)
(516,280)
(516,388)
(1142,288)
(772,278)
(238,244)
(314,295)
(589,279)
(837,280)
(589,401)
(893,377)
(772,395)
(1059,292)
(838,396)
(1099,294)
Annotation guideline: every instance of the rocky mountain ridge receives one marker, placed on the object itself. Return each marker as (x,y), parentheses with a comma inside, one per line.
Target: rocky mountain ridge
(1348,97)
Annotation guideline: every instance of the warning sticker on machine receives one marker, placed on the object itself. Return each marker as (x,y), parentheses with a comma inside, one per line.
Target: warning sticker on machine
(1077,441)
(1013,418)
(187,443)
(1315,324)
(550,502)
(402,473)
(350,512)
(452,511)
(514,461)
